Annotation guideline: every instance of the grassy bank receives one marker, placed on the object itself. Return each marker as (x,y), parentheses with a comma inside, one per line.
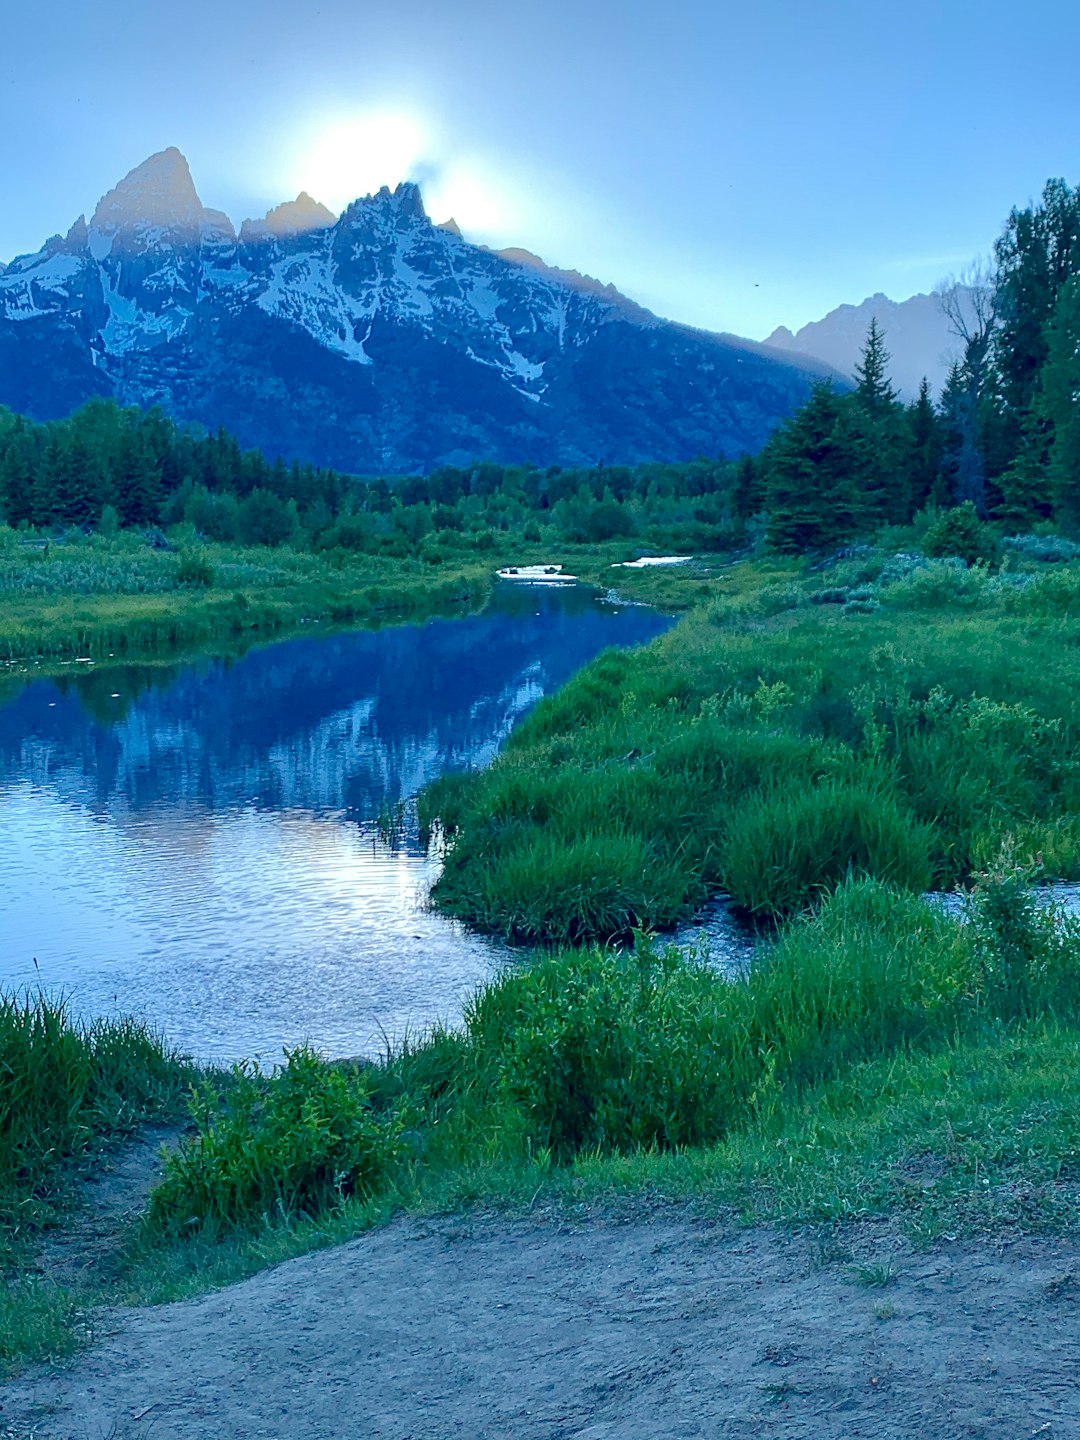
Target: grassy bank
(790,731)
(66,1090)
(101,597)
(881,1058)
(119,596)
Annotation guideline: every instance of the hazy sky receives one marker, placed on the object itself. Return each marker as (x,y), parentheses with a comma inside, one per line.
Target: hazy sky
(732,165)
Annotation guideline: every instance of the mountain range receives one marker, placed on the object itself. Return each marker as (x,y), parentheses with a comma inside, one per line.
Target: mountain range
(917,336)
(376,342)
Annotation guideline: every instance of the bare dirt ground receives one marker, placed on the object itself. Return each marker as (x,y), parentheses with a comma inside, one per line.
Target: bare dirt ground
(651,1327)
(113,1191)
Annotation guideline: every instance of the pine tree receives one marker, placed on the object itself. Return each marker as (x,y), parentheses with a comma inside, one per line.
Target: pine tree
(924,449)
(1059,404)
(1038,253)
(746,494)
(873,386)
(808,471)
(879,435)
(962,461)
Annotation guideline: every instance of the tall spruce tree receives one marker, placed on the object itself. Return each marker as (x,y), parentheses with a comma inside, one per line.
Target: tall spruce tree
(1058,404)
(924,450)
(809,477)
(878,434)
(1036,255)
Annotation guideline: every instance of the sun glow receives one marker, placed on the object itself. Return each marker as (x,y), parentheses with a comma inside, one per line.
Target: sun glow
(353,156)
(340,156)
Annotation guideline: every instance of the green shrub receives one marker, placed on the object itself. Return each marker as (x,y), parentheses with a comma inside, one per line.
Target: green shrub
(297,1143)
(196,571)
(960,533)
(943,585)
(1025,946)
(622,1050)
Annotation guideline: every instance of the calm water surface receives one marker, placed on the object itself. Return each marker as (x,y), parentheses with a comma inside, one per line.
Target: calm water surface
(198,844)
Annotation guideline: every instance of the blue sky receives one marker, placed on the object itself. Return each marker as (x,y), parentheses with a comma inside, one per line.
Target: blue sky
(735,166)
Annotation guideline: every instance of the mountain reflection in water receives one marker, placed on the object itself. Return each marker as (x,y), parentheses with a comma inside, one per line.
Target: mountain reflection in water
(197,843)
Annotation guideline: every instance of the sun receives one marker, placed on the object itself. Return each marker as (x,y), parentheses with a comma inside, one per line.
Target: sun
(350,156)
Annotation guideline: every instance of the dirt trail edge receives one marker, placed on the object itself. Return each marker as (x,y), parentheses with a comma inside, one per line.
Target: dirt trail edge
(636,1330)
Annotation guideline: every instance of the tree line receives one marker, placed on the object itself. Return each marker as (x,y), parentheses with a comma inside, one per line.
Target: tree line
(109,467)
(1004,438)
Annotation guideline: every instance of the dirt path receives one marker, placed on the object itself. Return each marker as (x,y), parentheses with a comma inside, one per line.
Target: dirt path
(651,1329)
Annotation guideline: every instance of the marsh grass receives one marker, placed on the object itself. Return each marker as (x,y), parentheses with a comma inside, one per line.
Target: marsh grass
(768,747)
(98,596)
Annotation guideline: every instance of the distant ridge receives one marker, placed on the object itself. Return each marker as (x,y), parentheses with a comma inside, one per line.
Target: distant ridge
(917,337)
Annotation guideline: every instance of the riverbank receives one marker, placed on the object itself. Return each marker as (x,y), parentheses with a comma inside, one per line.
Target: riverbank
(882,1060)
(123,596)
(897,718)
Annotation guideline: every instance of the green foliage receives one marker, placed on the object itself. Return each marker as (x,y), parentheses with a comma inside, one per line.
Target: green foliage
(810,475)
(763,750)
(962,534)
(195,570)
(109,467)
(297,1143)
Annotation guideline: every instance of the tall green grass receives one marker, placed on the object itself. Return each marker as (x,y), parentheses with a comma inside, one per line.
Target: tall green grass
(768,752)
(604,1052)
(63,1088)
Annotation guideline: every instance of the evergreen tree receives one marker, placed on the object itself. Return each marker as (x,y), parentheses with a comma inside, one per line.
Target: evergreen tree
(20,474)
(924,449)
(878,435)
(1058,404)
(746,495)
(962,461)
(1037,254)
(873,386)
(809,477)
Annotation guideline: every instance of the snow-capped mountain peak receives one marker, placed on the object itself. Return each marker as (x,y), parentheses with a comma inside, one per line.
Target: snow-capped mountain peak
(158,193)
(293,217)
(376,342)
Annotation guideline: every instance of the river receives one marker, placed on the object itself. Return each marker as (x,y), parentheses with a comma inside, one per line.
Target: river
(198,843)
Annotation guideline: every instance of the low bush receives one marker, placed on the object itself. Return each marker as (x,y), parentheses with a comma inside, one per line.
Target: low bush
(295,1144)
(195,570)
(959,532)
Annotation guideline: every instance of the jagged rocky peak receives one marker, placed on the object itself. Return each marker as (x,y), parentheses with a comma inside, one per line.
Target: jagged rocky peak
(159,193)
(294,217)
(451,227)
(401,205)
